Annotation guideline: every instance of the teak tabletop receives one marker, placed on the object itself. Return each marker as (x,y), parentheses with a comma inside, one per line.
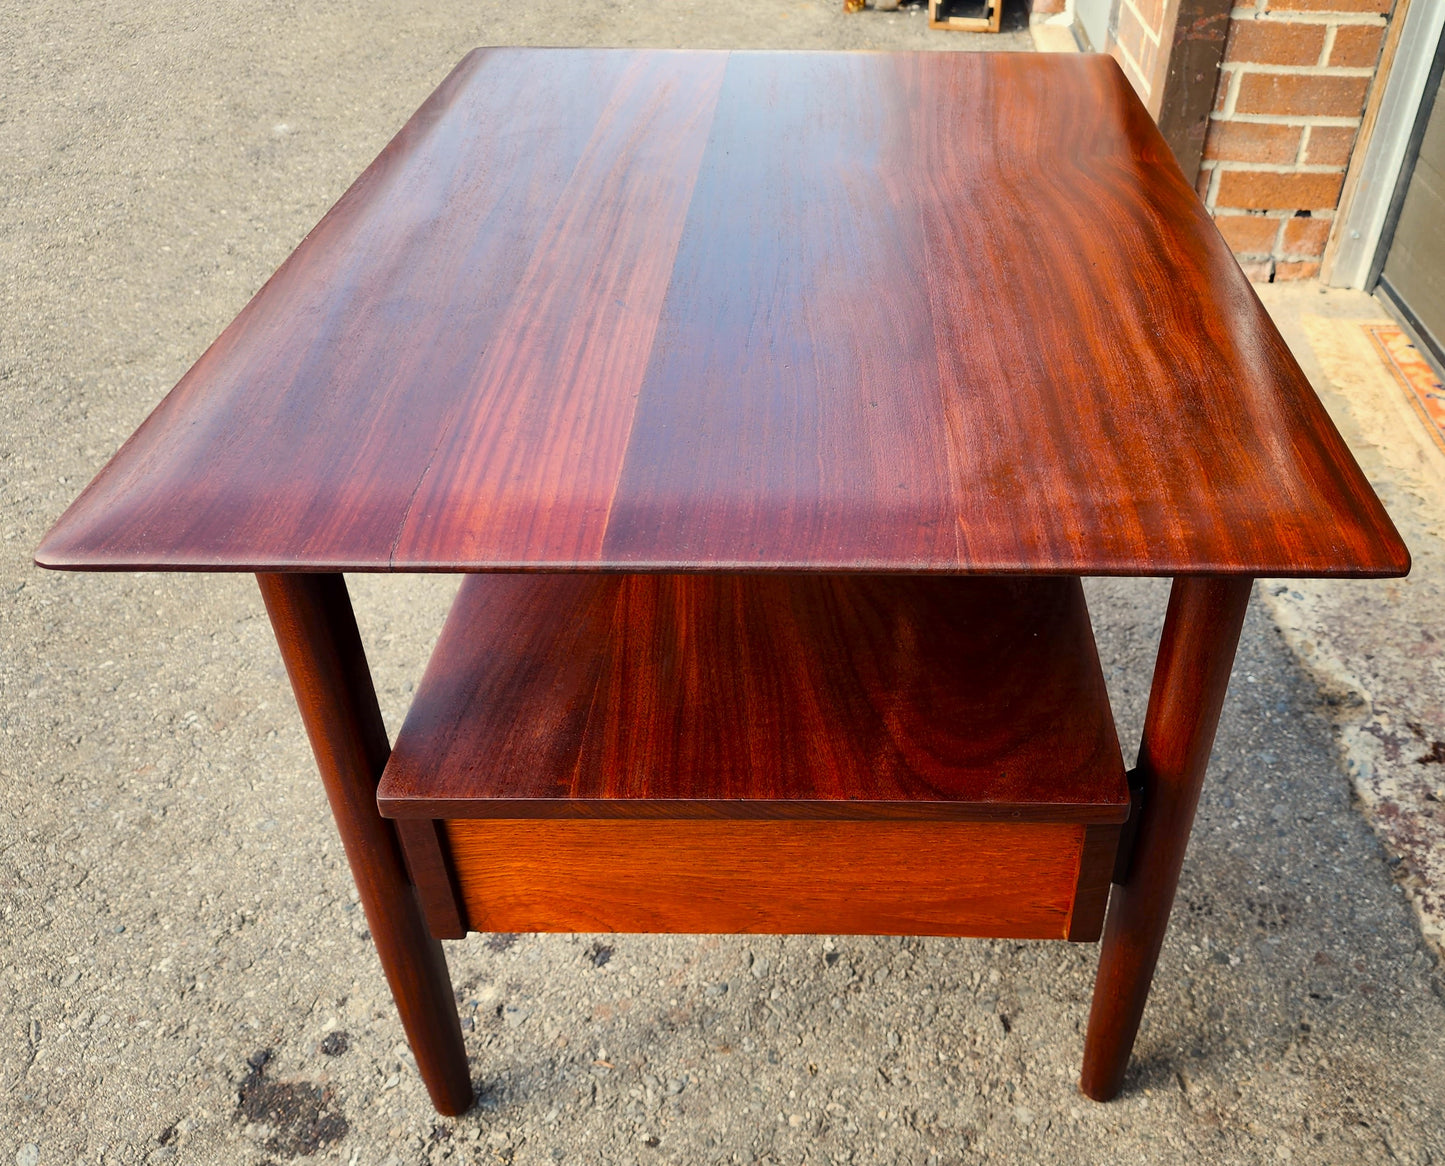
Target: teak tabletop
(931,312)
(701,317)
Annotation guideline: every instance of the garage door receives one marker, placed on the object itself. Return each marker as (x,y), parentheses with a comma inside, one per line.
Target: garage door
(1413,277)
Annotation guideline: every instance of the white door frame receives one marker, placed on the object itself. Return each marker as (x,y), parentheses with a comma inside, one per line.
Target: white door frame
(1375,167)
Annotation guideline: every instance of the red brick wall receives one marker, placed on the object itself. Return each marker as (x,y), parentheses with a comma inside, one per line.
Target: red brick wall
(1291,92)
(1136,44)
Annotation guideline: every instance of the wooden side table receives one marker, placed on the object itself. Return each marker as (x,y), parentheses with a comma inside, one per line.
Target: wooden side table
(775,418)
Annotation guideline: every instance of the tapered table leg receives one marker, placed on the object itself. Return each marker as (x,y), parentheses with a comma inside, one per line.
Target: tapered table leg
(319,641)
(1201,632)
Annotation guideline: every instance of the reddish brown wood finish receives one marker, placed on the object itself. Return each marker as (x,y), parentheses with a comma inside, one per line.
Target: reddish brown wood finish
(1191,676)
(654,312)
(1096,868)
(1014,881)
(761,696)
(322,649)
(424,847)
(753,311)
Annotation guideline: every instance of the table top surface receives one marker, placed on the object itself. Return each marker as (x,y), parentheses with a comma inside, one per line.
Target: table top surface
(643,310)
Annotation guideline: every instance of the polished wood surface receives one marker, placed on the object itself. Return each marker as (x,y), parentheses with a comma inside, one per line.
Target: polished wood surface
(772,321)
(1013,881)
(1191,676)
(322,650)
(800,696)
(933,312)
(428,861)
(1091,895)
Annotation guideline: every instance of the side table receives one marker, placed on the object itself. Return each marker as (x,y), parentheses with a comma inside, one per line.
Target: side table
(774,420)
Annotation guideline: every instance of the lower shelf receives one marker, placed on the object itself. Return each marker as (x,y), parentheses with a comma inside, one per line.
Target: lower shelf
(800,697)
(766,754)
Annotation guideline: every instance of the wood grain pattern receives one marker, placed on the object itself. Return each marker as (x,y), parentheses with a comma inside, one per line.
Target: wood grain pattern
(866,878)
(424,847)
(321,647)
(1191,677)
(751,311)
(761,696)
(1091,896)
(549,407)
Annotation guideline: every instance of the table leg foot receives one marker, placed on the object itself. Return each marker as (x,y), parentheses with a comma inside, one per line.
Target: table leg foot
(1196,653)
(321,646)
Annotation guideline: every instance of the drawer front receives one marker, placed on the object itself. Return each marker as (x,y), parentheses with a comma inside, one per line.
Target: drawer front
(1000,880)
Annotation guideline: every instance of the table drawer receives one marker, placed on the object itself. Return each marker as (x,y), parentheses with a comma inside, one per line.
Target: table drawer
(1027,880)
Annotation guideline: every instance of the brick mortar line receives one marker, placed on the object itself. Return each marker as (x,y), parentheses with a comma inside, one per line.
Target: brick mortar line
(1211,191)
(1250,16)
(1152,33)
(1279,214)
(1231,98)
(1300,120)
(1128,56)
(1275,213)
(1131,71)
(1281,218)
(1297,70)
(1278,238)
(1280,255)
(1274,243)
(1235,166)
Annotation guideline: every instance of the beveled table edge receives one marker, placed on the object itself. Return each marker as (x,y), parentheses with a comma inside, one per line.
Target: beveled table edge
(1393,568)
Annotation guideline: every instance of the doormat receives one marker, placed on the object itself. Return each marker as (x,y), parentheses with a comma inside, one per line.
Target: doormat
(1422,387)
